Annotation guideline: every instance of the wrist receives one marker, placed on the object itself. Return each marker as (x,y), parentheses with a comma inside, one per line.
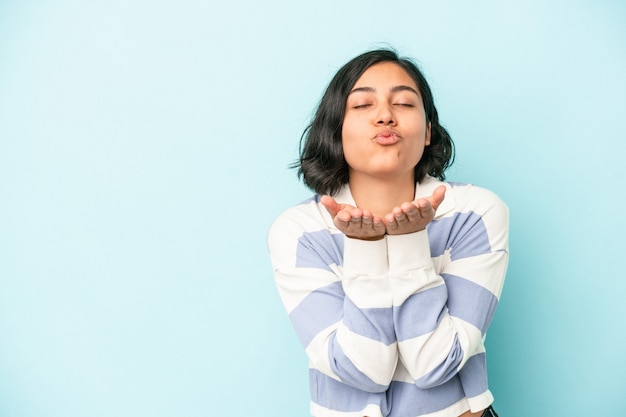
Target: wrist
(367,238)
(404,232)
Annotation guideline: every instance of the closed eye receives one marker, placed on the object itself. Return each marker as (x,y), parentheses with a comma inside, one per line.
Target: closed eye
(361,106)
(404,104)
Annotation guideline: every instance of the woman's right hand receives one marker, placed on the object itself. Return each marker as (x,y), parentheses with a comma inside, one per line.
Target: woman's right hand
(354,222)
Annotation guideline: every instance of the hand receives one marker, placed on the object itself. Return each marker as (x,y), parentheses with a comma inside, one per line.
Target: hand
(354,222)
(414,216)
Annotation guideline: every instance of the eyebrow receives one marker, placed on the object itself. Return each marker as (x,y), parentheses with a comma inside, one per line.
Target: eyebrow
(393,90)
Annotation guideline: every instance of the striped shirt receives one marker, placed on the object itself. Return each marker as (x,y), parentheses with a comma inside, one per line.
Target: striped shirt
(395,327)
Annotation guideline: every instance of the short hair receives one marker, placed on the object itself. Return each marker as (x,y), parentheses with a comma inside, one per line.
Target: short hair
(322,165)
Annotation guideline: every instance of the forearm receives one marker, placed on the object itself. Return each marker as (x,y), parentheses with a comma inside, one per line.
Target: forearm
(342,313)
(439,319)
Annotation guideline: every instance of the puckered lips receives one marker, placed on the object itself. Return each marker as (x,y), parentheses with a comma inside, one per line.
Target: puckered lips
(387,137)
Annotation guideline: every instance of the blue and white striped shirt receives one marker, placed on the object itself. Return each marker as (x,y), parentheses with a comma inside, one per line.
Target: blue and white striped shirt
(395,327)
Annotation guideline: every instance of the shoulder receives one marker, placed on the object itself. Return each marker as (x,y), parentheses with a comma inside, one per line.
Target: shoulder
(462,198)
(305,217)
(470,221)
(470,197)
(477,208)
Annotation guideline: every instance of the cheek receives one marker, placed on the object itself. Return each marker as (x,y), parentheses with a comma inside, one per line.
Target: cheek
(417,151)
(349,151)
(349,127)
(349,138)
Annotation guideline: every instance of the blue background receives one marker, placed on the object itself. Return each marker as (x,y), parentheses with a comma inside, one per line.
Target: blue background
(143,155)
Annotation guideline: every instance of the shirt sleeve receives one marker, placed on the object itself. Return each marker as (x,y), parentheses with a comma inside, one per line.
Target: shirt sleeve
(444,301)
(338,296)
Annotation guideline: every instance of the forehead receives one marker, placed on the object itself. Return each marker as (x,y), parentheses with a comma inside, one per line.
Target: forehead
(385,74)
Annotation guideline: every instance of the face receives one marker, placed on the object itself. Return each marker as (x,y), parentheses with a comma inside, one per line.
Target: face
(384,128)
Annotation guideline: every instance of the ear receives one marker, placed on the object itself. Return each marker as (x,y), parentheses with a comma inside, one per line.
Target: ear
(427,141)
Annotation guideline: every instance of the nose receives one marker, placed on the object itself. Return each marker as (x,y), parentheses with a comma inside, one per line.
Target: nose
(384,116)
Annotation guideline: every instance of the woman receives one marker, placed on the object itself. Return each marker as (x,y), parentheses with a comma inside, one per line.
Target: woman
(390,276)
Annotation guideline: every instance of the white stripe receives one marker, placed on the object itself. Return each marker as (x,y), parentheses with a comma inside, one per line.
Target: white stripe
(473,269)
(296,284)
(430,350)
(373,358)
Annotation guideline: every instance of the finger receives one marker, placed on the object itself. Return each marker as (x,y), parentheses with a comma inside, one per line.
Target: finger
(352,217)
(344,216)
(425,208)
(366,220)
(438,195)
(370,222)
(399,215)
(390,222)
(378,224)
(377,221)
(330,204)
(356,214)
(411,211)
(355,222)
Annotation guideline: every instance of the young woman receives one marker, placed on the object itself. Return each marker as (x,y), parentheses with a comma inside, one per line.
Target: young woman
(390,276)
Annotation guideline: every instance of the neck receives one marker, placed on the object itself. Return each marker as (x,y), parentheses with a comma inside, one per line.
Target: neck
(380,196)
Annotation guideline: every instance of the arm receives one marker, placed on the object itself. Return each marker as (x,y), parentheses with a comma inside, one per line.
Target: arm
(338,297)
(442,313)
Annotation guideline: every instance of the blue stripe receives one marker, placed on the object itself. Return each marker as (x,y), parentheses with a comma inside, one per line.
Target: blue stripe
(407,399)
(464,234)
(319,250)
(349,374)
(338,396)
(320,309)
(420,313)
(374,323)
(474,375)
(314,198)
(410,400)
(446,370)
(470,302)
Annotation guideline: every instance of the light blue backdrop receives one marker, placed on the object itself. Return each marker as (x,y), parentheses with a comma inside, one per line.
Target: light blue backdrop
(143,154)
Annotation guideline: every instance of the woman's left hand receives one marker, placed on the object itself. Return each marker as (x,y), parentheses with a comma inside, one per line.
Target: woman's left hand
(414,216)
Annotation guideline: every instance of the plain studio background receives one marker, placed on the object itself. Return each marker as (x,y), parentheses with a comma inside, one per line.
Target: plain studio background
(143,155)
